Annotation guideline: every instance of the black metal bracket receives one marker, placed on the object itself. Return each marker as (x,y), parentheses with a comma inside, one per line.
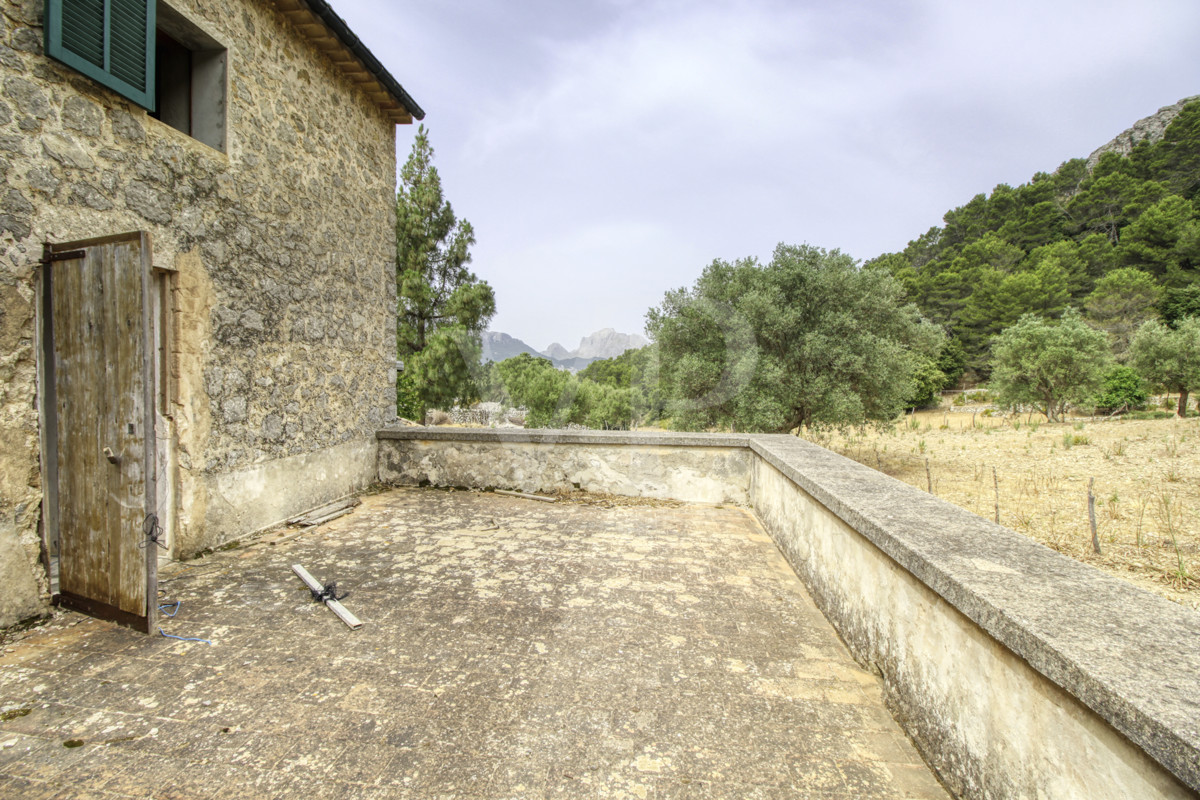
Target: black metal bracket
(50,256)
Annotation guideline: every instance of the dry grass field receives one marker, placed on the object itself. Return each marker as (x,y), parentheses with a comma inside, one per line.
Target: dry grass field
(1145,476)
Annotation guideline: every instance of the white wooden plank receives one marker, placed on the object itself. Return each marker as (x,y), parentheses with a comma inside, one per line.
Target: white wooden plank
(337,608)
(347,504)
(527,496)
(313,522)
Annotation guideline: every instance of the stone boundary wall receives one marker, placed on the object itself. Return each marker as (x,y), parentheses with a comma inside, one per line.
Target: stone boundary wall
(1018,671)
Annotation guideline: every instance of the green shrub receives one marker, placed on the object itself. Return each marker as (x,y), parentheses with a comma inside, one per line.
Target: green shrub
(1122,388)
(408,400)
(928,381)
(951,361)
(1070,440)
(1146,415)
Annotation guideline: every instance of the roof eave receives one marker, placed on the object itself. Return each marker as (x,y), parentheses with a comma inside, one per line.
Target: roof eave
(402,109)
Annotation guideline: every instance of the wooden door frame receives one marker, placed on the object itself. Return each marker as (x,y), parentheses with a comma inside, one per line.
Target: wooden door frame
(48,424)
(164,281)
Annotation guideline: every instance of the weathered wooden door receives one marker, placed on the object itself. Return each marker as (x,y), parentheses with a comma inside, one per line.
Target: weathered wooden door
(101,395)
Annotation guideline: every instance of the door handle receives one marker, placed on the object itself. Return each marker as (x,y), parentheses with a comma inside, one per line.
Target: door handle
(112,457)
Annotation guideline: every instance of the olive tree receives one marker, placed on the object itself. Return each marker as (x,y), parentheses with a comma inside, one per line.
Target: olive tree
(809,339)
(1049,364)
(1169,358)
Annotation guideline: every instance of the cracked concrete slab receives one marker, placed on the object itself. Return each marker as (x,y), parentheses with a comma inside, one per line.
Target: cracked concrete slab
(511,649)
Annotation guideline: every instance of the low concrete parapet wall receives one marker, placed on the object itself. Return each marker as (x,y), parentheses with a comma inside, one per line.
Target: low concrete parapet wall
(699,468)
(243,502)
(1018,671)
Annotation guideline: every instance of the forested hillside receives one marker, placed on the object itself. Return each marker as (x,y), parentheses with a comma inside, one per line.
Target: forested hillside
(1120,242)
(1079,288)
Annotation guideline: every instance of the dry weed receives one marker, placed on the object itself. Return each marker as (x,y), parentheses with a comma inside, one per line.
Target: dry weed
(1042,473)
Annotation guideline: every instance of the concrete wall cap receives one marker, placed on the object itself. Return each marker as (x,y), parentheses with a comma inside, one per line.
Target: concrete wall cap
(548,436)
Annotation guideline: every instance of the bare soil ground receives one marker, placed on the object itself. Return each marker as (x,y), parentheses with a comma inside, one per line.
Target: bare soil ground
(1145,475)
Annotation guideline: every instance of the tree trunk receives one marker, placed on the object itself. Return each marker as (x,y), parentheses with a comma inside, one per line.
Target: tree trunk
(796,422)
(1183,398)
(1049,408)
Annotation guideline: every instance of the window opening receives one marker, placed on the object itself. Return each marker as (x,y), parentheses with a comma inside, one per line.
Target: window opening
(173,84)
(189,79)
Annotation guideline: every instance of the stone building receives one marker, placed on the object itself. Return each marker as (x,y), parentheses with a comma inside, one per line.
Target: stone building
(226,364)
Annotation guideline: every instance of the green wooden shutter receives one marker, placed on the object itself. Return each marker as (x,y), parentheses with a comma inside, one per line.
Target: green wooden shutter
(110,41)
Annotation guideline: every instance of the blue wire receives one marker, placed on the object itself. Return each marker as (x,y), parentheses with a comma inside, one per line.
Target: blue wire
(177,605)
(182,638)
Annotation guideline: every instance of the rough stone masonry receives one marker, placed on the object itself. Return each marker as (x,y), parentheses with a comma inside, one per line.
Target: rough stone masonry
(279,258)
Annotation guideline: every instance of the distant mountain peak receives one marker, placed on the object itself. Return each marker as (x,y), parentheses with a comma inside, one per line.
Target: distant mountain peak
(556,350)
(607,343)
(604,343)
(499,347)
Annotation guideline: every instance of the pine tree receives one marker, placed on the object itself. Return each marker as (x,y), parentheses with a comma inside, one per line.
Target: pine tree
(444,307)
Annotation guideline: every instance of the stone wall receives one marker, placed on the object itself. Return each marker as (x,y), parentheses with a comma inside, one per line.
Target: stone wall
(1018,671)
(283,251)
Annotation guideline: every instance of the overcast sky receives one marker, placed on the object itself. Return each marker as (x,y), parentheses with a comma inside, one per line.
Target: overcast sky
(608,150)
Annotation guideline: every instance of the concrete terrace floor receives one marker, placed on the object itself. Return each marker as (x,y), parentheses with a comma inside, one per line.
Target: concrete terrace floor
(511,649)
